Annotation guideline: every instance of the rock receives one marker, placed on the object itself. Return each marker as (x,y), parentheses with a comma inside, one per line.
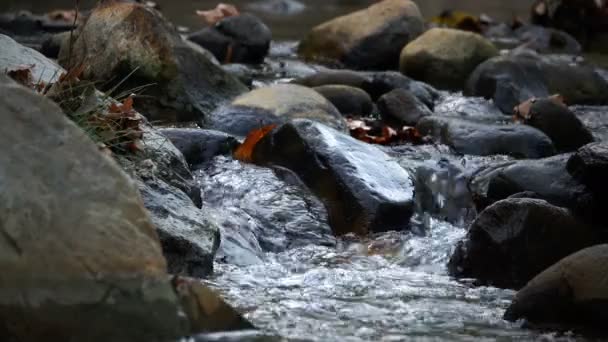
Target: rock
(375,84)
(590,166)
(363,189)
(189,240)
(473,108)
(570,295)
(135,47)
(469,137)
(367,39)
(206,310)
(400,106)
(513,79)
(548,40)
(547,177)
(445,57)
(348,100)
(79,256)
(51,46)
(560,124)
(513,240)
(15,56)
(200,145)
(237,39)
(278,7)
(274,105)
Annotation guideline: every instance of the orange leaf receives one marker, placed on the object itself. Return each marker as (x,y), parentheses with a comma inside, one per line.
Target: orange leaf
(245,151)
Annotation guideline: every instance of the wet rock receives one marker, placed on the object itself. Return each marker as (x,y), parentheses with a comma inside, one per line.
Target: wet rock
(590,166)
(363,189)
(260,210)
(236,39)
(513,79)
(548,40)
(570,295)
(445,57)
(200,145)
(400,106)
(135,47)
(513,240)
(189,239)
(371,38)
(206,310)
(469,137)
(15,56)
(560,124)
(80,257)
(239,336)
(547,177)
(375,84)
(348,100)
(278,7)
(595,119)
(274,105)
(473,108)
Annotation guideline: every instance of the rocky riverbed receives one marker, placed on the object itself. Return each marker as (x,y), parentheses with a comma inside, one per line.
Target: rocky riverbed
(386,178)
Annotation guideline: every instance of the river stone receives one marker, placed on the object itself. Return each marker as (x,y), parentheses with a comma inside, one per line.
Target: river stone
(189,240)
(363,189)
(348,100)
(559,123)
(401,107)
(512,79)
(200,145)
(367,39)
(572,294)
(206,310)
(74,236)
(135,44)
(548,40)
(513,240)
(15,56)
(274,105)
(590,165)
(469,137)
(445,57)
(237,39)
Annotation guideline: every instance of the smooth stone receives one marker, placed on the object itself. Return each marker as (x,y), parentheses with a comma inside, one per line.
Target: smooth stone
(16,56)
(348,100)
(200,145)
(590,165)
(548,40)
(401,107)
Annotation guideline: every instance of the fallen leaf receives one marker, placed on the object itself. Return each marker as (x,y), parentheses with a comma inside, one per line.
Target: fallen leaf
(221,11)
(22,75)
(245,151)
(522,112)
(377,132)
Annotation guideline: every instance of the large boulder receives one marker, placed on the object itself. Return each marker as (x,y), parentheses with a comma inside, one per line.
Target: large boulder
(559,123)
(200,145)
(371,38)
(513,240)
(79,255)
(570,295)
(348,100)
(135,47)
(469,137)
(401,107)
(363,189)
(445,57)
(14,56)
(237,39)
(274,105)
(512,79)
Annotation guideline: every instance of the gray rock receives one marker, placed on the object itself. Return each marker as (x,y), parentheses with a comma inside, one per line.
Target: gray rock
(348,100)
(548,40)
(401,107)
(200,145)
(74,236)
(14,56)
(469,137)
(590,165)
(363,189)
(513,240)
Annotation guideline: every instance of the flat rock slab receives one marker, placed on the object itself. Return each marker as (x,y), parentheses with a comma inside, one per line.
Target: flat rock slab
(363,189)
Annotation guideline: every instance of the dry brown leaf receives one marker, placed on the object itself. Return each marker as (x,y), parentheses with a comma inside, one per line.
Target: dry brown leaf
(245,151)
(23,75)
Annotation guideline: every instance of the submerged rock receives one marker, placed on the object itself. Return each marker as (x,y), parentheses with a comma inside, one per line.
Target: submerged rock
(363,189)
(513,79)
(560,124)
(236,39)
(513,240)
(401,107)
(348,100)
(135,47)
(274,105)
(15,56)
(71,243)
(200,145)
(371,38)
(445,57)
(570,295)
(469,137)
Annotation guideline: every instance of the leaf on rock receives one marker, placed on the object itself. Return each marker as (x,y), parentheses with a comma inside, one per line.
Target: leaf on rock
(523,111)
(245,151)
(23,75)
(376,132)
(221,11)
